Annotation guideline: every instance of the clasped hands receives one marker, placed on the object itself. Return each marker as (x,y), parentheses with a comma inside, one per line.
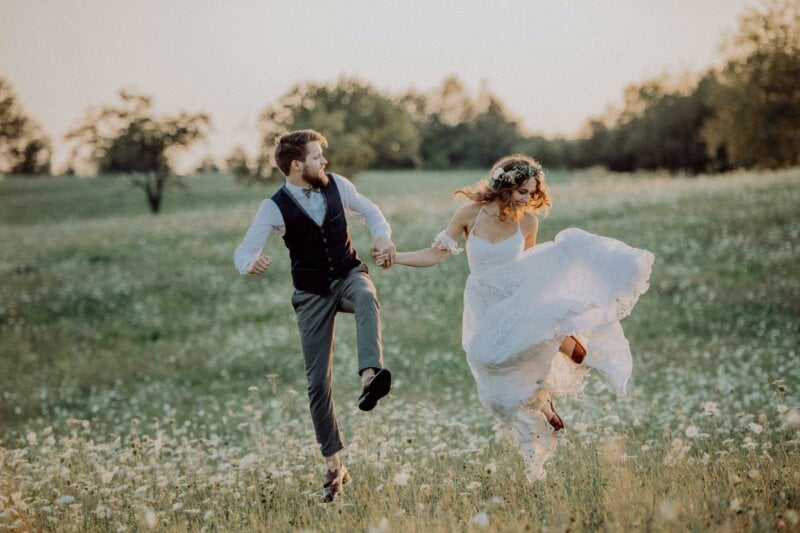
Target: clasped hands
(383,251)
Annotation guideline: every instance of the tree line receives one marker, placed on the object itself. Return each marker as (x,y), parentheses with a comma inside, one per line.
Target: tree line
(744,114)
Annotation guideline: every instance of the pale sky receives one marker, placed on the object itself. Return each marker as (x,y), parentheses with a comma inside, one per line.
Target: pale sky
(553,63)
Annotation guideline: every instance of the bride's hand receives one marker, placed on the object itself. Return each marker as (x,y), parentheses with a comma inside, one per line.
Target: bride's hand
(384,258)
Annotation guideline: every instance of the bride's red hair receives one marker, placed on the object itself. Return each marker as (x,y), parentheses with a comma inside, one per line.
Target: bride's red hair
(516,169)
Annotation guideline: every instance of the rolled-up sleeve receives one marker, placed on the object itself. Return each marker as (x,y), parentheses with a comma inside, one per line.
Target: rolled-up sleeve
(362,208)
(268,221)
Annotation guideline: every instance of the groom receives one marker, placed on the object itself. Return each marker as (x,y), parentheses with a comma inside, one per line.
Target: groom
(308,211)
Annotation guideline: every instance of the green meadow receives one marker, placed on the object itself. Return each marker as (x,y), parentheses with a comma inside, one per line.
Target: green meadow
(146,385)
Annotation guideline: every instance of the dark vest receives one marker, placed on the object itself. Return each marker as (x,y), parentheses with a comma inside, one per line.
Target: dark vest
(319,254)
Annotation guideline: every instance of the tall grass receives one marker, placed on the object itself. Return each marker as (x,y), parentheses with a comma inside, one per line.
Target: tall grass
(146,385)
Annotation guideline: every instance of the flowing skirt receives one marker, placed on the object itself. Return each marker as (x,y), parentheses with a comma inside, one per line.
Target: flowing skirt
(517,313)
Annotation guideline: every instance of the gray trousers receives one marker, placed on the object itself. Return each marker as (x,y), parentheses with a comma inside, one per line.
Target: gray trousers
(316,315)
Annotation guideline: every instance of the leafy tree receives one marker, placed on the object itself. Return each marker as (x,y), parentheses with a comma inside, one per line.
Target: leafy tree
(756,104)
(129,138)
(494,133)
(459,131)
(658,128)
(23,147)
(244,171)
(365,128)
(207,166)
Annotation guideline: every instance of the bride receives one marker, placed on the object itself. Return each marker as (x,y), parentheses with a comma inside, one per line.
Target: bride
(535,317)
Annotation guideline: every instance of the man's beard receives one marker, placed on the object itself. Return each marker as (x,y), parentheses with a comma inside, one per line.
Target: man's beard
(316,180)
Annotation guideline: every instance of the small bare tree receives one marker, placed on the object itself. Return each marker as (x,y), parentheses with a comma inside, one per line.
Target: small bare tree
(130,139)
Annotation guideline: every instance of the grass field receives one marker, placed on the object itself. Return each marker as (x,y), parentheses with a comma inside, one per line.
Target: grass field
(146,385)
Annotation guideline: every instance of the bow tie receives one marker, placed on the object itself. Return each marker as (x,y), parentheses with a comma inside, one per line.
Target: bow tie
(308,191)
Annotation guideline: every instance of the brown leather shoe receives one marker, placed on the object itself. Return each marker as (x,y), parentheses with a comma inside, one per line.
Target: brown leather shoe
(334,479)
(578,352)
(555,420)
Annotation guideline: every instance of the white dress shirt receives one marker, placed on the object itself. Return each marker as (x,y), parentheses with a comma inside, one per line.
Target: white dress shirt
(269,220)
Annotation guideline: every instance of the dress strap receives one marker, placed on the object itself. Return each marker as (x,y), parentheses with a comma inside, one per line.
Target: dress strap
(475,224)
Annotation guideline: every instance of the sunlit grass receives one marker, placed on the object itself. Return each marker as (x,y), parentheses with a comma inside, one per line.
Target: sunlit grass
(146,385)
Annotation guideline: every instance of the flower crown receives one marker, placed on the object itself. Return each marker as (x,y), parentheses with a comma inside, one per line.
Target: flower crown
(504,178)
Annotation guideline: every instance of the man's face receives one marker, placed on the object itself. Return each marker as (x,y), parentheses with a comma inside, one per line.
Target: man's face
(314,165)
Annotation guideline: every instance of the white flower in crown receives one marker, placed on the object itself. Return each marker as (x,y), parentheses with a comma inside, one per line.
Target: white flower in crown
(498,172)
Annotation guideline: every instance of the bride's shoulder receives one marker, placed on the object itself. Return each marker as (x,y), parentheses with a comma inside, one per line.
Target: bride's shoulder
(467,212)
(464,218)
(529,221)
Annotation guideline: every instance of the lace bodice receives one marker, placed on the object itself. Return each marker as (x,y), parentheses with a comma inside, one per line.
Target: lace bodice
(483,255)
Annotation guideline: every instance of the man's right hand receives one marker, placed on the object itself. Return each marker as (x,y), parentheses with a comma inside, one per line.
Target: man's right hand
(260,265)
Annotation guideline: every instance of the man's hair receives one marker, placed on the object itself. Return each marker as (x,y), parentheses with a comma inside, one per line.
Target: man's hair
(292,147)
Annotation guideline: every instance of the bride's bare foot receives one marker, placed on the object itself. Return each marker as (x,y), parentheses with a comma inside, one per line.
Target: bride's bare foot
(574,349)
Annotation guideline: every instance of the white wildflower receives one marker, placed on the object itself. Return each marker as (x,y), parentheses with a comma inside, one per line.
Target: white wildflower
(481,520)
(736,505)
(401,479)
(792,516)
(749,444)
(711,409)
(782,408)
(756,428)
(383,526)
(691,432)
(150,519)
(793,418)
(66,499)
(676,453)
(177,506)
(668,510)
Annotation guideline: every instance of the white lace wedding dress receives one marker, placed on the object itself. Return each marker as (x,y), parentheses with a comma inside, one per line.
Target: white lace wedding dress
(520,305)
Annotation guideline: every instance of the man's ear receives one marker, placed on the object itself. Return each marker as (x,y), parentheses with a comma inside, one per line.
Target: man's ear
(295,165)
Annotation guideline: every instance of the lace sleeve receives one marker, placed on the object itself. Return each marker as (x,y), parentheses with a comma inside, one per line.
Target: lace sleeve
(444,242)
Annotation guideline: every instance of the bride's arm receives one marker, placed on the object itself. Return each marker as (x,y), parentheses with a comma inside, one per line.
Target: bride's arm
(421,258)
(444,244)
(530,227)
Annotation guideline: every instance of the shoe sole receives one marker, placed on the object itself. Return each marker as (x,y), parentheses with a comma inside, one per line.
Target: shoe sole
(377,389)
